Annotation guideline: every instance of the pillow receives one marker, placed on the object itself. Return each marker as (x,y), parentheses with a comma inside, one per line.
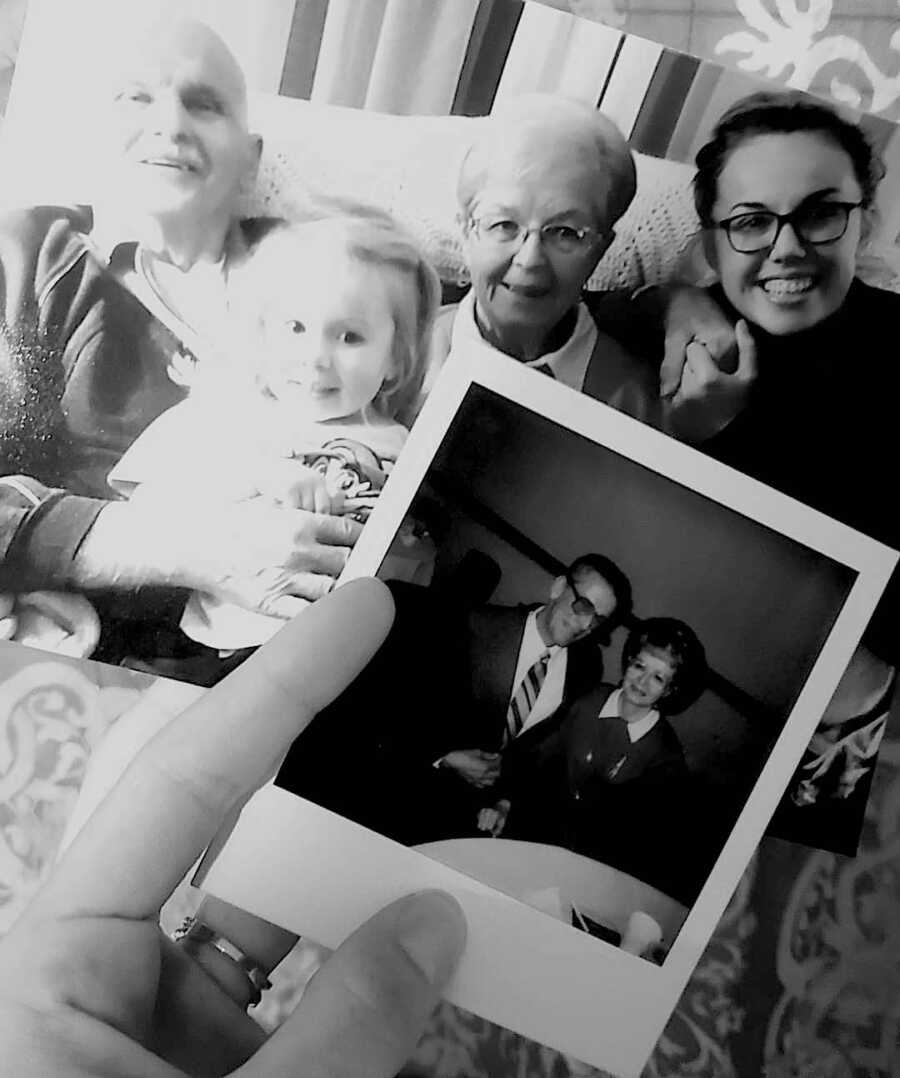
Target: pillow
(316,155)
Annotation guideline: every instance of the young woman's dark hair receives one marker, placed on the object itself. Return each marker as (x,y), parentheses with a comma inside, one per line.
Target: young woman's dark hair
(779,113)
(688,657)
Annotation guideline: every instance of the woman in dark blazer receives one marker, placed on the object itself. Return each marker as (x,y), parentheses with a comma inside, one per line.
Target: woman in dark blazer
(606,776)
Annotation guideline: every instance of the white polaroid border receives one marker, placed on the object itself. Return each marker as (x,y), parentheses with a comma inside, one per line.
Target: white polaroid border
(315,873)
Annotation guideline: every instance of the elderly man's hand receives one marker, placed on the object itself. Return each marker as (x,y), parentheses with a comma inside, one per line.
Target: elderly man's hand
(692,316)
(269,558)
(88,983)
(477,767)
(272,558)
(708,398)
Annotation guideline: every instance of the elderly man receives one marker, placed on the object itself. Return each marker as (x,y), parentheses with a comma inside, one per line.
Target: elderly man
(108,310)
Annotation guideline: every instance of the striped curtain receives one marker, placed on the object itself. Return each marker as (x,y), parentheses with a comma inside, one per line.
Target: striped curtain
(461,57)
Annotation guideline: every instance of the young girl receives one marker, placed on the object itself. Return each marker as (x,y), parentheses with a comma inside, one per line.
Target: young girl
(306,410)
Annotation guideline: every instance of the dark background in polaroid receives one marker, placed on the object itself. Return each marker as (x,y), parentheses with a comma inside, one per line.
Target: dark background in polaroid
(761,603)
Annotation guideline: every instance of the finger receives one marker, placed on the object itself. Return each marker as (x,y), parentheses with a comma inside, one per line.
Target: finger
(365,1009)
(170,802)
(673,362)
(289,606)
(320,559)
(8,626)
(747,361)
(304,588)
(701,364)
(321,499)
(54,606)
(337,531)
(722,347)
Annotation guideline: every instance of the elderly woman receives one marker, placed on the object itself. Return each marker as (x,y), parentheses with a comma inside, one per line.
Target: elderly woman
(603,775)
(108,309)
(785,191)
(539,195)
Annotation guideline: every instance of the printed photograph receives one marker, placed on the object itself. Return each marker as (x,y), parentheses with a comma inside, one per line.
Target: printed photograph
(223,317)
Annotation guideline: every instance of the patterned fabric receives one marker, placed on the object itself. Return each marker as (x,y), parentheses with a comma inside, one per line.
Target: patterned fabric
(525,696)
(801,978)
(847,50)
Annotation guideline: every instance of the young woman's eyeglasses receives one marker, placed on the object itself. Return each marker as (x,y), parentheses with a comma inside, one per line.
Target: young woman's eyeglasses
(504,232)
(581,605)
(815,223)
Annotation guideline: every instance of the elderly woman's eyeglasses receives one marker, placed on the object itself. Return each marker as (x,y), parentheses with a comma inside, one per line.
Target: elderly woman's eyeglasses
(504,232)
(581,605)
(815,223)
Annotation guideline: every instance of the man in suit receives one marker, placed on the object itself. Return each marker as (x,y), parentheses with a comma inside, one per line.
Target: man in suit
(387,752)
(525,663)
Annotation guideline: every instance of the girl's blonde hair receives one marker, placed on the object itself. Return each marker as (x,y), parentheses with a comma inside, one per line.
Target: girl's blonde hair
(371,238)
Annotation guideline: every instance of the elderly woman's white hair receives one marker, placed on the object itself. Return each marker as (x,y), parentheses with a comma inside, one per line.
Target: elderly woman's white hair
(540,127)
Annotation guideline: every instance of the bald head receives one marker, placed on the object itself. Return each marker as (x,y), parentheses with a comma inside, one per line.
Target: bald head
(176,135)
(161,44)
(536,135)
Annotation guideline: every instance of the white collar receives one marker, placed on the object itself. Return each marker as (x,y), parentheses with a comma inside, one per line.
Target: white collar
(636,729)
(532,641)
(569,363)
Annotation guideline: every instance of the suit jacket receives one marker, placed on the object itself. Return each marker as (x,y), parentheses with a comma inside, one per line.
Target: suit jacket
(494,639)
(621,804)
(436,684)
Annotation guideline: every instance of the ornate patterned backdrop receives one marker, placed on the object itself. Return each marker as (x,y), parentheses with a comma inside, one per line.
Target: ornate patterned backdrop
(845,49)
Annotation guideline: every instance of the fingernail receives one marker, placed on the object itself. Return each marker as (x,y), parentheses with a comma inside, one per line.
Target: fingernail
(431,928)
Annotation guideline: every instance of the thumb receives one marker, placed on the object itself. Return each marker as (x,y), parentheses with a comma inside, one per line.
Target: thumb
(673,363)
(365,1009)
(747,362)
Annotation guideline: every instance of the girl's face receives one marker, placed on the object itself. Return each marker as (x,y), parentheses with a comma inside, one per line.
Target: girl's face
(329,332)
(648,678)
(794,284)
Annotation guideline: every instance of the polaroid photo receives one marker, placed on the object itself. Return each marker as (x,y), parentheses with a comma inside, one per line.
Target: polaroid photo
(616,869)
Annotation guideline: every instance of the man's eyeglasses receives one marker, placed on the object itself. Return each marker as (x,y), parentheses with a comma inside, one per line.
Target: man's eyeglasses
(503,232)
(582,605)
(816,223)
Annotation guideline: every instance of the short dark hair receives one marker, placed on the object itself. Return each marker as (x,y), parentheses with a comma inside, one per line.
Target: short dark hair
(617,580)
(687,653)
(769,112)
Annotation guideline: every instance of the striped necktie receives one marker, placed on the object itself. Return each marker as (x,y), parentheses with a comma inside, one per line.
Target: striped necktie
(525,696)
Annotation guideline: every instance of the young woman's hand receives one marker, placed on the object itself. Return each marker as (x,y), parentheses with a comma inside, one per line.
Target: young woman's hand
(90,986)
(708,398)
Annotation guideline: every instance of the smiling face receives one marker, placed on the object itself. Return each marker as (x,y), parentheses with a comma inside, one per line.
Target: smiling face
(178,126)
(562,622)
(648,678)
(793,285)
(329,337)
(524,290)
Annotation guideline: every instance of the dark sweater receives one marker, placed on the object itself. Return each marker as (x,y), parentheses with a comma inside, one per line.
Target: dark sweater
(819,426)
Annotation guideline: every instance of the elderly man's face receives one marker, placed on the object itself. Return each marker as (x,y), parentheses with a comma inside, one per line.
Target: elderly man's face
(530,286)
(179,126)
